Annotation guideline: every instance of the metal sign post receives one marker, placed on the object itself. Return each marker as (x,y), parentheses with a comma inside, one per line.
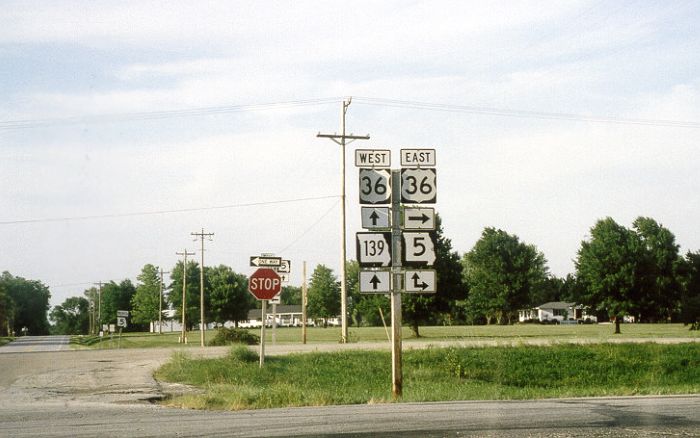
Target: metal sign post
(396,372)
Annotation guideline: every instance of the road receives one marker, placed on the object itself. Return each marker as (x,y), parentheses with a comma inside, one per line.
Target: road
(28,344)
(109,393)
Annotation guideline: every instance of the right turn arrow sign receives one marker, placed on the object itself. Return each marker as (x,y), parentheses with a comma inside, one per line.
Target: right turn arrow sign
(420,281)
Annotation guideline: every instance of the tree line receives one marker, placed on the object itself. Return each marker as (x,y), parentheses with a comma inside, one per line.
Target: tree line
(619,272)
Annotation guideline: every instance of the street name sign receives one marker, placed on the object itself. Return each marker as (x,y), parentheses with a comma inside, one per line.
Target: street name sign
(418,186)
(374,249)
(373,158)
(420,281)
(418,249)
(265,261)
(375,282)
(375,217)
(264,284)
(375,186)
(124,313)
(419,218)
(417,157)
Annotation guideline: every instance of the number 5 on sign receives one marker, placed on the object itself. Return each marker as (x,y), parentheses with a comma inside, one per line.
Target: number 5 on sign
(375,187)
(418,186)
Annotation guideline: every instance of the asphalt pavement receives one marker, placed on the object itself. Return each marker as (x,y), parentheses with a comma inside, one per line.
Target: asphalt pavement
(29,344)
(112,393)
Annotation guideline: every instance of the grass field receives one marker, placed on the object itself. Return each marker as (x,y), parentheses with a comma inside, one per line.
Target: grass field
(435,374)
(4,341)
(514,333)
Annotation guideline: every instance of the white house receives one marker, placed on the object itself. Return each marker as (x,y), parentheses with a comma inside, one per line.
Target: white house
(556,311)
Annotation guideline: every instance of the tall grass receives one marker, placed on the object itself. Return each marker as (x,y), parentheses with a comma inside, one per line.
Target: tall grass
(436,374)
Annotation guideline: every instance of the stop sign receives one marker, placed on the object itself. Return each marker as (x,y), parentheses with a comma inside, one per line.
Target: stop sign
(264,284)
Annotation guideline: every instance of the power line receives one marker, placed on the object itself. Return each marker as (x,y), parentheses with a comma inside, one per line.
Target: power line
(521,113)
(165,114)
(157,212)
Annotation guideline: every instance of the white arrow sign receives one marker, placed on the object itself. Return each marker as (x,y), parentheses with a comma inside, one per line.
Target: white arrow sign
(375,217)
(375,282)
(265,261)
(419,249)
(374,249)
(418,218)
(420,281)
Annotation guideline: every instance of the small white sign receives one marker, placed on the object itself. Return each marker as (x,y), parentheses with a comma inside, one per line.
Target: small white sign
(375,217)
(276,300)
(418,186)
(374,249)
(124,313)
(284,267)
(418,281)
(112,328)
(419,249)
(375,282)
(284,277)
(419,218)
(417,157)
(375,186)
(373,158)
(121,321)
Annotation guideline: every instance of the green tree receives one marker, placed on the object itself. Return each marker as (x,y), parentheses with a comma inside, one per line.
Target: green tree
(115,297)
(30,300)
(690,298)
(191,294)
(145,304)
(502,274)
(323,294)
(228,295)
(71,317)
(606,267)
(7,311)
(657,280)
(290,295)
(440,307)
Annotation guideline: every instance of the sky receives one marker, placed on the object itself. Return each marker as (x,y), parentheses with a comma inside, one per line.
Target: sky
(126,126)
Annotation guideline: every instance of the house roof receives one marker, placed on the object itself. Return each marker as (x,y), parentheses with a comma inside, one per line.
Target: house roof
(281,309)
(557,305)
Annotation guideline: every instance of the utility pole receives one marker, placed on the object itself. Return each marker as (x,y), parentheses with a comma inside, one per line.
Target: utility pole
(342,139)
(303,305)
(160,303)
(183,338)
(99,305)
(202,235)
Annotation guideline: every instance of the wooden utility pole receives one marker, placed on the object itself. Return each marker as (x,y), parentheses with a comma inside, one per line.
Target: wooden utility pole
(342,139)
(160,303)
(99,306)
(203,326)
(183,338)
(303,304)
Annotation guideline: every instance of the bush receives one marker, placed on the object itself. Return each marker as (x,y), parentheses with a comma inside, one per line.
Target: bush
(228,336)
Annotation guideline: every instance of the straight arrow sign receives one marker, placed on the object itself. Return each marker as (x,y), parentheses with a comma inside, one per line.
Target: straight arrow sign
(375,217)
(375,282)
